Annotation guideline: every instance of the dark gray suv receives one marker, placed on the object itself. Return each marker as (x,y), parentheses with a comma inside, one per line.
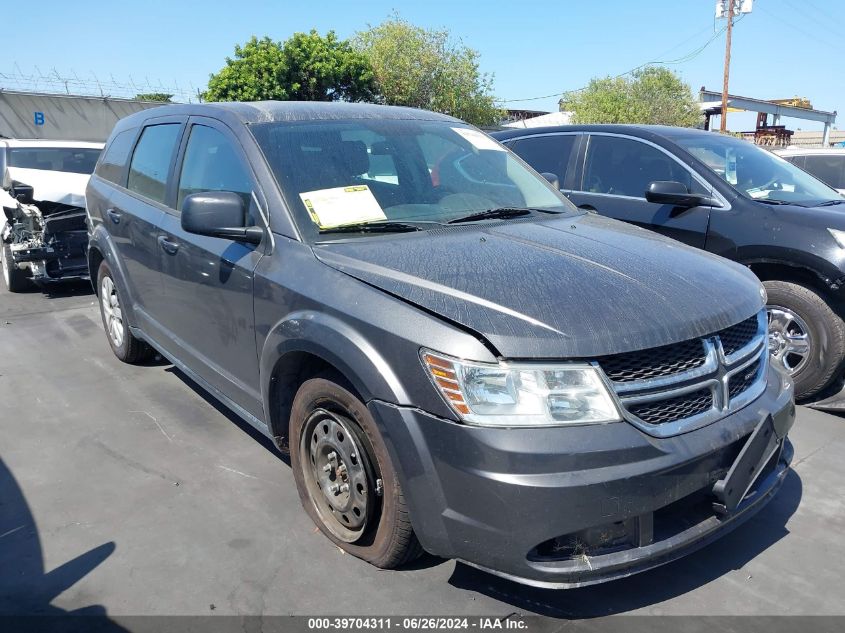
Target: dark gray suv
(457,359)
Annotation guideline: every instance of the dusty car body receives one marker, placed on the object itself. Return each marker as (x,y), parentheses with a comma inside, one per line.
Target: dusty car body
(44,234)
(454,356)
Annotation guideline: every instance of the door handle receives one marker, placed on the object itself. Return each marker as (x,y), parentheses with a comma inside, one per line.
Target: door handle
(167,246)
(114,216)
(588,208)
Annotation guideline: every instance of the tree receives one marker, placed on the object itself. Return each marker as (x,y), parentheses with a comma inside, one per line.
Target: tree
(306,67)
(653,95)
(154,96)
(425,68)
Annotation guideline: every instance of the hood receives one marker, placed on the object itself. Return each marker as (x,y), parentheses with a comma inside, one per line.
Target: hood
(574,287)
(53,186)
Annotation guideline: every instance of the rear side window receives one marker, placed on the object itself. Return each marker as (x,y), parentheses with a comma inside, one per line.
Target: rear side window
(830,169)
(151,160)
(115,156)
(625,167)
(212,164)
(547,153)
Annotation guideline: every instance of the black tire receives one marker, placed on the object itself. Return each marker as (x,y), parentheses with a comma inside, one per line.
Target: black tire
(826,335)
(126,347)
(387,540)
(15,279)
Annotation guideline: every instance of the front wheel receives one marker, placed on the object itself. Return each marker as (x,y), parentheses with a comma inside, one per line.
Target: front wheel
(344,475)
(16,280)
(806,337)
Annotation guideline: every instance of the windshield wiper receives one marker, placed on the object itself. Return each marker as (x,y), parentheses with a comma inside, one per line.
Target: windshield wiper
(501,212)
(770,201)
(830,203)
(373,227)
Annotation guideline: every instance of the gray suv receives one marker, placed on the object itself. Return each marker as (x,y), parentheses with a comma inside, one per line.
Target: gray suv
(457,359)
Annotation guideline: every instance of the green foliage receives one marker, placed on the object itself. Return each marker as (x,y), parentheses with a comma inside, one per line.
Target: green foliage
(306,67)
(425,68)
(154,96)
(653,95)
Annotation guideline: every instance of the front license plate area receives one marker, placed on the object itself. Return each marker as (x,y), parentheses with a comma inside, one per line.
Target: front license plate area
(758,450)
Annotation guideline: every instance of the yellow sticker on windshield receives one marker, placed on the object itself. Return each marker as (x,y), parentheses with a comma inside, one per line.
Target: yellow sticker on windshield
(339,206)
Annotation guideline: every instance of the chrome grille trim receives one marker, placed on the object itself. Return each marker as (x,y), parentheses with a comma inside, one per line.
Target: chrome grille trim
(715,374)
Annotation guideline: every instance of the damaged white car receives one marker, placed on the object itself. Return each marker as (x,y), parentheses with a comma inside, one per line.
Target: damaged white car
(44,237)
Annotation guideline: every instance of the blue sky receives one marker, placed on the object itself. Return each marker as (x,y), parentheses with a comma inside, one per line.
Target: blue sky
(784,48)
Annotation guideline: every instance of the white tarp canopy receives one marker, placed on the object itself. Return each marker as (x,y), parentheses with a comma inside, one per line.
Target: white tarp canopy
(553,118)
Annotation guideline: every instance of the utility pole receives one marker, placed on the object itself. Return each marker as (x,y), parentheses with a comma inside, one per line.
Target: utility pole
(729,9)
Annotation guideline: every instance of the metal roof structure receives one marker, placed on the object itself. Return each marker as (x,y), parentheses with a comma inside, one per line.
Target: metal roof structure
(777,110)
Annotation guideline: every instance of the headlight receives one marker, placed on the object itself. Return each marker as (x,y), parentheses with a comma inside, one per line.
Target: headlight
(521,394)
(839,236)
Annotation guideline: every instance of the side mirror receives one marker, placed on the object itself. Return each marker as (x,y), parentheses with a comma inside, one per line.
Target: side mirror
(552,178)
(219,214)
(675,193)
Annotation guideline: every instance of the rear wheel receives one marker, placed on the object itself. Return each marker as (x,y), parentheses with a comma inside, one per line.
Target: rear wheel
(16,280)
(344,475)
(806,337)
(124,345)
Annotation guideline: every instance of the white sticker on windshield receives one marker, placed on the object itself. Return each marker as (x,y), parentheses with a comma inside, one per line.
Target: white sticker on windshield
(478,139)
(329,208)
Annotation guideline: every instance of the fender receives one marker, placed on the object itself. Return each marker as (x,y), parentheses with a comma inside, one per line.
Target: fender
(819,267)
(100,240)
(334,341)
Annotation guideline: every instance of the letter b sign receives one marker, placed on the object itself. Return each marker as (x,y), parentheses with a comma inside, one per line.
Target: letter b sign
(39,118)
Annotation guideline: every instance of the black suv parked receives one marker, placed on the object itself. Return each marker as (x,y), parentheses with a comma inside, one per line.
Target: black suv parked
(729,197)
(457,358)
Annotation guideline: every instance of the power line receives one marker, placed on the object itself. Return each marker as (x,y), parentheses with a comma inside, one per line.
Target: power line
(813,36)
(688,57)
(799,10)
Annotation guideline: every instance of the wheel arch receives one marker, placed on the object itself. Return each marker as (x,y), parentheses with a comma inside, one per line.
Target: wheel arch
(306,344)
(826,287)
(100,249)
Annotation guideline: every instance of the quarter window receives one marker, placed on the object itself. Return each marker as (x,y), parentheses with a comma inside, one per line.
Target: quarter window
(114,159)
(625,167)
(151,160)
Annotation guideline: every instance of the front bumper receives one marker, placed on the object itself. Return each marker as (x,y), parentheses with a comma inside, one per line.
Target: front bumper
(567,507)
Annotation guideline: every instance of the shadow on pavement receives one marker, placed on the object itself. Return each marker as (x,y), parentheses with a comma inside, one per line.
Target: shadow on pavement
(728,553)
(226,412)
(65,289)
(26,588)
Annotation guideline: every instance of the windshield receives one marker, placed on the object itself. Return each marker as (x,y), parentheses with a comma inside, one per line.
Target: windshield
(756,172)
(75,160)
(370,172)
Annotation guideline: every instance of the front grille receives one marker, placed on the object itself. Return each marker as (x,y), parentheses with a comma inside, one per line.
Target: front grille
(742,380)
(648,381)
(668,360)
(677,408)
(738,336)
(655,362)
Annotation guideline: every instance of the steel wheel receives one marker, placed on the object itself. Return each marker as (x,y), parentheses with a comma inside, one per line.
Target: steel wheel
(790,341)
(112,311)
(338,474)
